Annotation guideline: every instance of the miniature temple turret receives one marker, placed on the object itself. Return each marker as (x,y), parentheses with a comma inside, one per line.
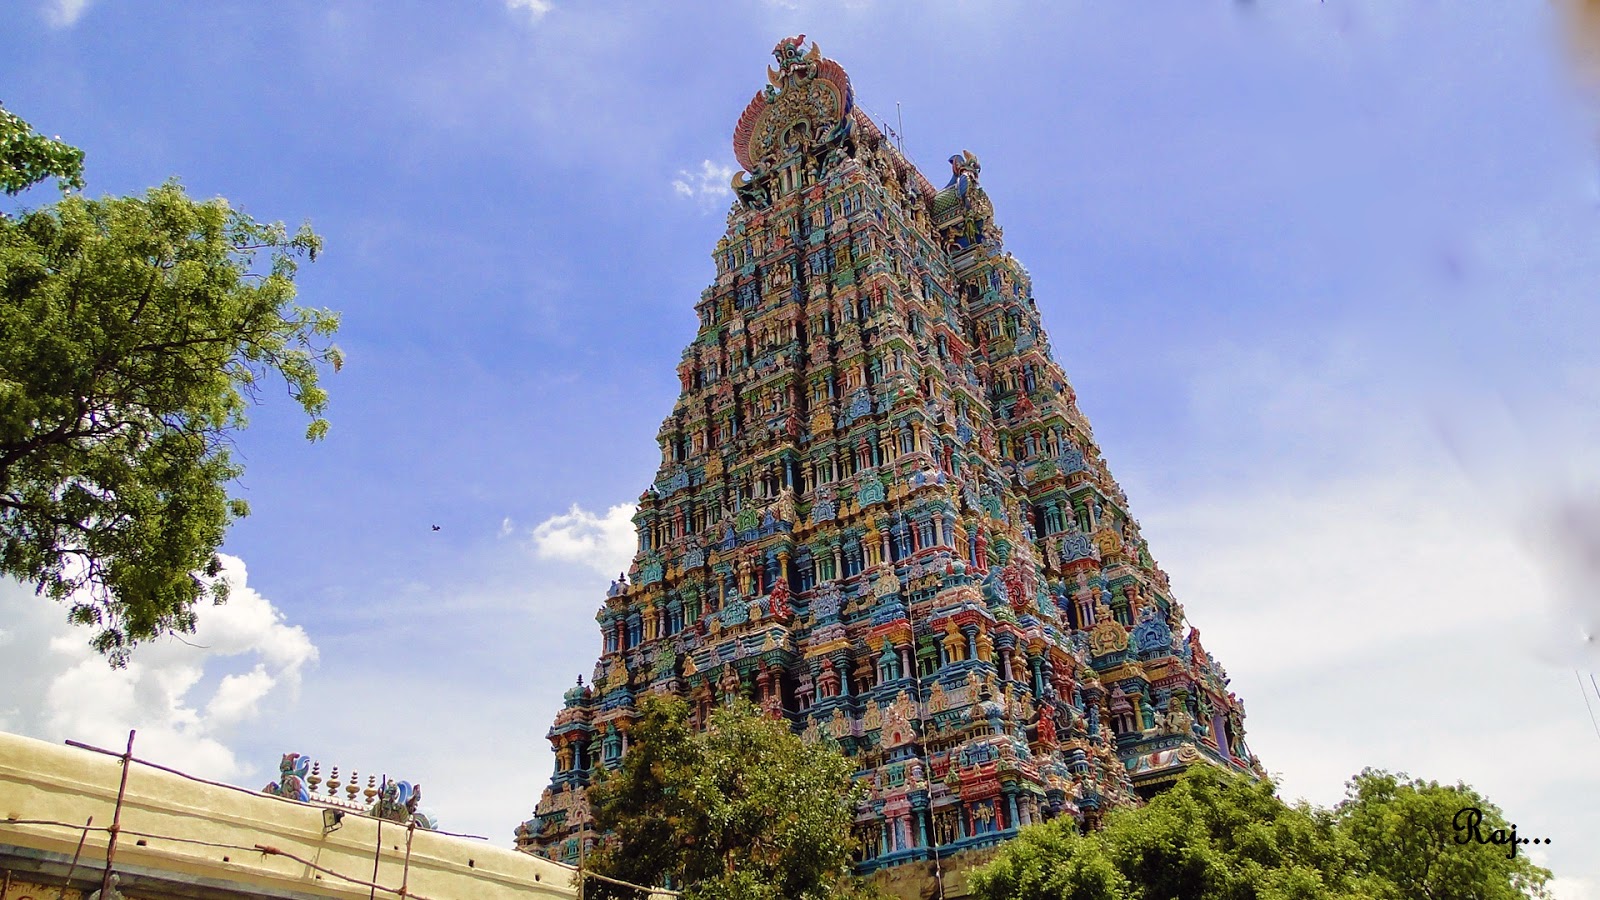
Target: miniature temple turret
(881,515)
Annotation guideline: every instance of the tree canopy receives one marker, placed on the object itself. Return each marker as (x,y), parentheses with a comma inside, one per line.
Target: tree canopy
(1215,836)
(745,810)
(27,157)
(1424,839)
(135,332)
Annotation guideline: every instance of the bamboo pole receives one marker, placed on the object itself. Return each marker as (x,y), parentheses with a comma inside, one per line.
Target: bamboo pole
(116,820)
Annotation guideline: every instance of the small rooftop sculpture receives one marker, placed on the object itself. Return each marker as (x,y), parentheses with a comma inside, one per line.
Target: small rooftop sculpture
(300,778)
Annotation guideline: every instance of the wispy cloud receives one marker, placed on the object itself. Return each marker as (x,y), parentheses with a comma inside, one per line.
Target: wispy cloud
(65,13)
(180,695)
(533,9)
(708,187)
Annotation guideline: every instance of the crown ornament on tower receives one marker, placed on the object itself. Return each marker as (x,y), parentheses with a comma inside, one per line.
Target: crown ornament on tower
(803,114)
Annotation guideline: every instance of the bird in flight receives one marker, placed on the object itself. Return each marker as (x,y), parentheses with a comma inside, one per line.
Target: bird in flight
(435,528)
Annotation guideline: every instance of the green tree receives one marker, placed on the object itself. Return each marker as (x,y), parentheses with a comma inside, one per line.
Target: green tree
(27,157)
(134,334)
(1415,835)
(1211,836)
(1215,836)
(745,810)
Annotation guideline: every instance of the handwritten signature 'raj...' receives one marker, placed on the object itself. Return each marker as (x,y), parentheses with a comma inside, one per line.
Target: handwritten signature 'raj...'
(1468,824)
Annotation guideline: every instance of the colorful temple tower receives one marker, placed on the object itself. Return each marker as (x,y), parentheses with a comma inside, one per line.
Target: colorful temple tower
(880,514)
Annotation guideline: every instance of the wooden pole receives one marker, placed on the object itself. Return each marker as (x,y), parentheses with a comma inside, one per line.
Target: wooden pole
(116,820)
(376,855)
(77,853)
(405,871)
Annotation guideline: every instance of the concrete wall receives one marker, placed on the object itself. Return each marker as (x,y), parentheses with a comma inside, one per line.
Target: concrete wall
(203,837)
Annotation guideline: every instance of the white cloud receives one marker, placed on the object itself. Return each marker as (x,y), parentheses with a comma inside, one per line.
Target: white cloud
(183,696)
(65,13)
(603,543)
(708,186)
(239,696)
(533,9)
(1364,564)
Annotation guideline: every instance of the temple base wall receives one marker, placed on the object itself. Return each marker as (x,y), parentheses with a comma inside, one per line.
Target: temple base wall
(920,880)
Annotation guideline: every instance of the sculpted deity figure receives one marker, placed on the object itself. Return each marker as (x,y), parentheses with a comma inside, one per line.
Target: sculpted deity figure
(397,801)
(1019,584)
(1177,719)
(779,599)
(1047,724)
(292,771)
(786,511)
(1019,671)
(887,583)
(955,643)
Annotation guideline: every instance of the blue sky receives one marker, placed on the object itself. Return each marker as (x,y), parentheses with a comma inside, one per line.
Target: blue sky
(1322,274)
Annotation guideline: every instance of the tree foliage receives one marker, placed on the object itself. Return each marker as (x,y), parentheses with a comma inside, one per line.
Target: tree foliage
(1412,833)
(745,810)
(27,157)
(1214,836)
(134,334)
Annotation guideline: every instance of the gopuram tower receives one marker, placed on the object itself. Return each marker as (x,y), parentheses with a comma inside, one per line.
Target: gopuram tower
(880,514)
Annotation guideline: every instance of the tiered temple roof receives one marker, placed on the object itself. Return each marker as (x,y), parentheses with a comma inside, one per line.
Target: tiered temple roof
(881,514)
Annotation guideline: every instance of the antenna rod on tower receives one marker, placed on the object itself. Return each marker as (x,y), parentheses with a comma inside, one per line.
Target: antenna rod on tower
(900,128)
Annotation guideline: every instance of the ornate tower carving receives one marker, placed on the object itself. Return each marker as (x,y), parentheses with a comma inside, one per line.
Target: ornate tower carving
(880,514)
